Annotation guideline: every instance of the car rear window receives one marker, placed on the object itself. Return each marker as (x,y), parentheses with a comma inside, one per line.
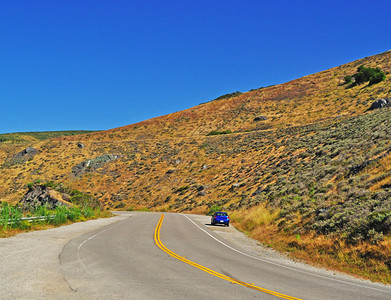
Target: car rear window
(221,214)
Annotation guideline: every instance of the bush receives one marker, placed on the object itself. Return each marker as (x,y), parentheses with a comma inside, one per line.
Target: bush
(376,78)
(227,96)
(215,132)
(348,79)
(369,74)
(214,208)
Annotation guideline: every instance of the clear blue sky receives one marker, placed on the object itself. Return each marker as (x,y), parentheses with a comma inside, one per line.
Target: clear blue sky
(103,64)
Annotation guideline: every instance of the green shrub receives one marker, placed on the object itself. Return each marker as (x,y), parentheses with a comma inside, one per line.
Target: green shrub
(25,225)
(87,212)
(143,209)
(214,208)
(60,215)
(373,75)
(215,132)
(376,78)
(74,213)
(348,79)
(227,96)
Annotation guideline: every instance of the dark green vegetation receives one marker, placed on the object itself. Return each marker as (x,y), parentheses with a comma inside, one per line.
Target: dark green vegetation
(227,96)
(348,79)
(15,217)
(82,207)
(216,132)
(40,136)
(364,74)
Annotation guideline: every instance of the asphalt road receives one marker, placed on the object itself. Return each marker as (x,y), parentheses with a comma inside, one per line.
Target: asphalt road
(193,261)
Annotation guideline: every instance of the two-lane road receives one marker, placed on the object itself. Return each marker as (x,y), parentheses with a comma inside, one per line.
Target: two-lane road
(147,256)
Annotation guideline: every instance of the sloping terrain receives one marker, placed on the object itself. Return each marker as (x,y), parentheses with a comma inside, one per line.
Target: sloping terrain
(38,136)
(309,152)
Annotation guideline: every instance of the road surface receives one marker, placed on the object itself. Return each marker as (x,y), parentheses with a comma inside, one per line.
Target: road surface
(147,256)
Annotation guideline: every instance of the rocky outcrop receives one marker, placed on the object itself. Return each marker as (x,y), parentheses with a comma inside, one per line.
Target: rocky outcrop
(260,118)
(91,165)
(22,156)
(380,103)
(39,195)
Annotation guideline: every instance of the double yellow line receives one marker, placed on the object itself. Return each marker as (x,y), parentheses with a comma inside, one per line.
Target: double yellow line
(207,270)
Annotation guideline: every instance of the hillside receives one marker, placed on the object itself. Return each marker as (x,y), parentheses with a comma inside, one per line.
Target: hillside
(29,137)
(302,159)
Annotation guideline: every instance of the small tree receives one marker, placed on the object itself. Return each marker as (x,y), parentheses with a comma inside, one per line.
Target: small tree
(377,77)
(369,74)
(348,79)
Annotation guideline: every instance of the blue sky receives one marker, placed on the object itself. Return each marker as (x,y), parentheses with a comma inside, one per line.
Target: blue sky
(102,64)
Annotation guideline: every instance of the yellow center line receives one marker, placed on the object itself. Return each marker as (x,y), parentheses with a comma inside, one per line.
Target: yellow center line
(207,270)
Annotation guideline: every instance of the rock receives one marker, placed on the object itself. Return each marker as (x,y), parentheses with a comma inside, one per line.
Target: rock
(201,193)
(29,150)
(170,171)
(90,165)
(39,195)
(260,118)
(380,103)
(80,145)
(200,188)
(204,167)
(22,156)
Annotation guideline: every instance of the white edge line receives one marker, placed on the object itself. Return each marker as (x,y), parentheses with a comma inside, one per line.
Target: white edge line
(91,237)
(282,266)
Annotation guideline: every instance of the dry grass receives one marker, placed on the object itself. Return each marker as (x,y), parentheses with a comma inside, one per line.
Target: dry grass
(362,260)
(255,217)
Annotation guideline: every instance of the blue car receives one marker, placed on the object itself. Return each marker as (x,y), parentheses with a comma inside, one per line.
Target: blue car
(220,217)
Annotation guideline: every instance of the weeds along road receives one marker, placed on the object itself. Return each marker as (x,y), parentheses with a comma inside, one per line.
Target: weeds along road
(175,256)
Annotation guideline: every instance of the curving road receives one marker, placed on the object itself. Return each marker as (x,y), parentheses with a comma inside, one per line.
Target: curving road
(146,256)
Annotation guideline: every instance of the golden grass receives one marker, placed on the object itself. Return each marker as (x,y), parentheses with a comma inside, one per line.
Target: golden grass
(362,260)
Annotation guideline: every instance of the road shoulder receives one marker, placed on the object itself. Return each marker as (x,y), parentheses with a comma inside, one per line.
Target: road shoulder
(30,261)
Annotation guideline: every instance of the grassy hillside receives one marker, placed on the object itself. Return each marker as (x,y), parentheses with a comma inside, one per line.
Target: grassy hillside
(37,136)
(302,166)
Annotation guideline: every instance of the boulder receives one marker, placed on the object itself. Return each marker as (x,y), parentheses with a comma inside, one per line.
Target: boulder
(39,195)
(200,188)
(80,145)
(201,193)
(380,103)
(260,118)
